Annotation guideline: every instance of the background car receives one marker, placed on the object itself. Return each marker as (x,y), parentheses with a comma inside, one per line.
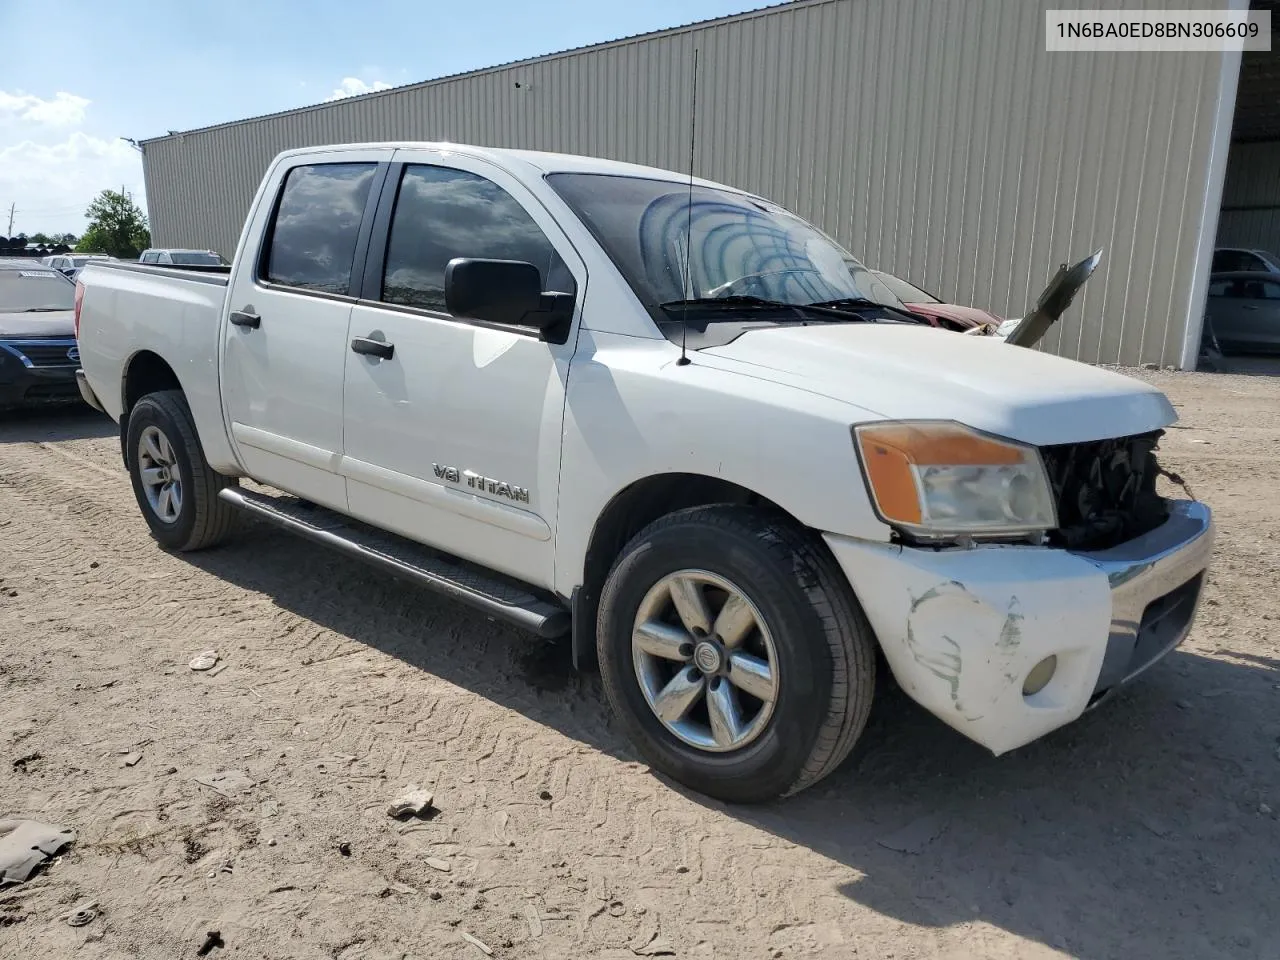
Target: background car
(1239,260)
(183,258)
(38,351)
(70,264)
(1244,310)
(949,316)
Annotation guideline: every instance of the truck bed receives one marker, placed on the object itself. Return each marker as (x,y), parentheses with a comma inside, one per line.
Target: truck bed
(131,310)
(203,274)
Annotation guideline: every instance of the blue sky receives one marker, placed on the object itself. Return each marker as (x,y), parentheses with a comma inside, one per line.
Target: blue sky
(77,76)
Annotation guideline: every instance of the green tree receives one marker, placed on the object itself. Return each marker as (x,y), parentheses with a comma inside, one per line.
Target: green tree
(117,227)
(42,238)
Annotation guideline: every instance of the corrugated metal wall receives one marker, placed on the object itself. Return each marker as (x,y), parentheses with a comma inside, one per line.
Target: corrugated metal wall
(1251,198)
(938,141)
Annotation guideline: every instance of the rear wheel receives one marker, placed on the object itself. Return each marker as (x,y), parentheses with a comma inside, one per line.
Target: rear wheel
(175,487)
(734,653)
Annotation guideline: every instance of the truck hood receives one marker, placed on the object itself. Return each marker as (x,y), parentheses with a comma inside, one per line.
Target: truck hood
(61,323)
(915,372)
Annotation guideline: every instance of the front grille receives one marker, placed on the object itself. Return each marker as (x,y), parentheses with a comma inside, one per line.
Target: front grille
(53,353)
(1105,490)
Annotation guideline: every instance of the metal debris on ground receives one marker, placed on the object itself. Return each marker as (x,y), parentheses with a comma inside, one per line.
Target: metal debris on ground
(915,836)
(83,913)
(478,944)
(212,938)
(204,660)
(657,947)
(26,844)
(1157,827)
(227,783)
(218,669)
(131,759)
(416,802)
(438,864)
(535,921)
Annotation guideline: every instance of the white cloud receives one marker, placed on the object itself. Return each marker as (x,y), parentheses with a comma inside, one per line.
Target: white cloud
(353,87)
(53,183)
(64,110)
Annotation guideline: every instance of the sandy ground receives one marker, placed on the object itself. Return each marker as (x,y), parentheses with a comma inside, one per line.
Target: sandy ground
(1144,830)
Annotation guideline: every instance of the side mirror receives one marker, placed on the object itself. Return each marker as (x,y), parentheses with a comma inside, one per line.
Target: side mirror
(507,292)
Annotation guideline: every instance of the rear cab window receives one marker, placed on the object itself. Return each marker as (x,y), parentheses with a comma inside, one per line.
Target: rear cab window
(312,238)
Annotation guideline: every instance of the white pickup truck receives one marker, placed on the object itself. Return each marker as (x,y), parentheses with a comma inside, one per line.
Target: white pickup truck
(669,419)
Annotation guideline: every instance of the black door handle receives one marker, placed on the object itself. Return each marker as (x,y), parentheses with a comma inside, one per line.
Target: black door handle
(373,348)
(243,318)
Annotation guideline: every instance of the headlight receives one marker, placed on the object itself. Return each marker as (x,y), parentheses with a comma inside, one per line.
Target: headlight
(939,478)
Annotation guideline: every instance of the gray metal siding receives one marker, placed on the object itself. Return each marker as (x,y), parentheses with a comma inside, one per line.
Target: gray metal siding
(1251,198)
(937,141)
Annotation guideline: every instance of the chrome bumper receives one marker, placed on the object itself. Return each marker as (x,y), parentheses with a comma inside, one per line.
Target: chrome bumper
(1156,581)
(87,394)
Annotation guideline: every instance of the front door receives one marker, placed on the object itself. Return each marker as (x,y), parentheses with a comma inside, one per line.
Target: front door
(454,439)
(1245,310)
(284,349)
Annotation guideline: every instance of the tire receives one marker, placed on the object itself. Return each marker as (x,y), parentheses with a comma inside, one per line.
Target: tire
(807,619)
(200,519)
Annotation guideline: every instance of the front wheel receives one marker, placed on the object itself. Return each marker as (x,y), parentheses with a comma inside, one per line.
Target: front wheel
(176,488)
(734,653)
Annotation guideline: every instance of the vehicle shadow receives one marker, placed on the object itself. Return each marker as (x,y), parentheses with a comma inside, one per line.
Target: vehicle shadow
(1245,365)
(52,423)
(1131,832)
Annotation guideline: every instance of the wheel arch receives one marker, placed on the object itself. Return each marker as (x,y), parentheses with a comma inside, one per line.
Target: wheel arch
(145,372)
(628,512)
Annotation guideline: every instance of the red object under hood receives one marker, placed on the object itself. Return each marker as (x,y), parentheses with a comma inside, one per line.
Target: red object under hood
(952,316)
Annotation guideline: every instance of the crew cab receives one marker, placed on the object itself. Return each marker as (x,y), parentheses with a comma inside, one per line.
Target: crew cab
(669,419)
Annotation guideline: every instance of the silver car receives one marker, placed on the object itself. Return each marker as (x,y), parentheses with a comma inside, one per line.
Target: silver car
(1244,310)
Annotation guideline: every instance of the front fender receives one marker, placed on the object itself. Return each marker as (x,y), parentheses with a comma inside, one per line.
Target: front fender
(631,412)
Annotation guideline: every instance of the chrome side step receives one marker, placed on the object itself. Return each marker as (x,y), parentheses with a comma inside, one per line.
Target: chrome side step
(488,592)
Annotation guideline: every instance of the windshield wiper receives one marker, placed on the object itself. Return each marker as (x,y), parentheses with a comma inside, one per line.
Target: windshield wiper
(864,303)
(739,303)
(45,309)
(727,303)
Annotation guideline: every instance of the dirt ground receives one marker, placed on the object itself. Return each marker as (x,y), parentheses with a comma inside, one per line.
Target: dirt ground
(1147,829)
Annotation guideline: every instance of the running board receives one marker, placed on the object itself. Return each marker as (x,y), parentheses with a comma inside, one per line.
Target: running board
(488,592)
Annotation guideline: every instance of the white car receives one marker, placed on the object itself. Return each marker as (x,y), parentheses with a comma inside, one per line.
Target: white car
(172,257)
(1241,259)
(670,420)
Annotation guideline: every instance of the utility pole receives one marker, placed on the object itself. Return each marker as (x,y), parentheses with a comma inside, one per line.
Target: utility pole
(11,212)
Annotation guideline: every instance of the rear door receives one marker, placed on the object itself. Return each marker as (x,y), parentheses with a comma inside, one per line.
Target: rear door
(454,438)
(290,297)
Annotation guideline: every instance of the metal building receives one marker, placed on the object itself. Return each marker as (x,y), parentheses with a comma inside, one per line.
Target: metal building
(940,142)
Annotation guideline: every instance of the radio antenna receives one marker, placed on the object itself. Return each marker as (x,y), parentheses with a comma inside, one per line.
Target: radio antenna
(688,236)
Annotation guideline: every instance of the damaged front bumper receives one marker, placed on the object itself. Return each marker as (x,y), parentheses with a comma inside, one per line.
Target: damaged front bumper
(963,629)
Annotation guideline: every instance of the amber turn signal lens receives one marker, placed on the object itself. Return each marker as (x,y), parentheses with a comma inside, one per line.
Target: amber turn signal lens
(943,477)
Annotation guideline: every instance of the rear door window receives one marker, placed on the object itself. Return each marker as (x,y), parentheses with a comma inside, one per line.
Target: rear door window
(317,222)
(442,213)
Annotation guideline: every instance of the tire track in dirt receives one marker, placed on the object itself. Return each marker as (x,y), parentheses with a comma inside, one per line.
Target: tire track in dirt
(160,594)
(342,687)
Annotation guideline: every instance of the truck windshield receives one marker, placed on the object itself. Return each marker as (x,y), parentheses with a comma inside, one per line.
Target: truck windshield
(35,291)
(741,246)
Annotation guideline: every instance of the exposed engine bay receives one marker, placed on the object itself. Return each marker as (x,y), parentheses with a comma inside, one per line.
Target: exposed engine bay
(1105,490)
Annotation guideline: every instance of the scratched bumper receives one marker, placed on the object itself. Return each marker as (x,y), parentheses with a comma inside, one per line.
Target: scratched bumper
(961,629)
